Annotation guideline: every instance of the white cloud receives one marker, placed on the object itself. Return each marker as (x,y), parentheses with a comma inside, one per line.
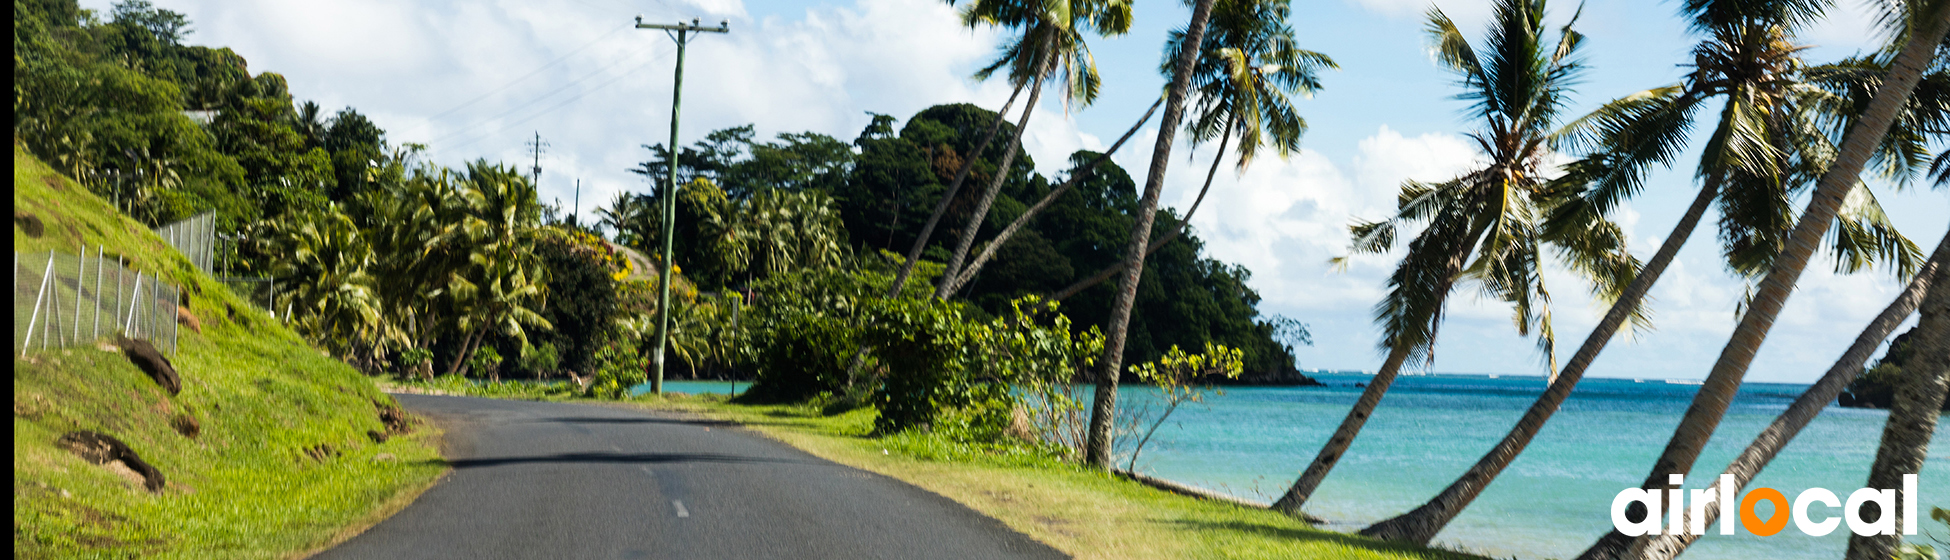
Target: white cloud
(412,66)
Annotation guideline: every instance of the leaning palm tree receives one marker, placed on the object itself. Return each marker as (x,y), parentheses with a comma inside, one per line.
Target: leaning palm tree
(1249,67)
(1762,151)
(1919,26)
(1519,86)
(1050,44)
(1103,408)
(1778,434)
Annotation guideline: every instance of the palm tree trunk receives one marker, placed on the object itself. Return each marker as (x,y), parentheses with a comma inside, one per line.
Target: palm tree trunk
(981,214)
(1782,431)
(1912,420)
(1422,523)
(1156,244)
(989,252)
(1296,496)
(466,343)
(927,230)
(1097,448)
(1717,392)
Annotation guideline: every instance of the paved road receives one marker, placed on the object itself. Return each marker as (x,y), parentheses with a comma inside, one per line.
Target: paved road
(565,481)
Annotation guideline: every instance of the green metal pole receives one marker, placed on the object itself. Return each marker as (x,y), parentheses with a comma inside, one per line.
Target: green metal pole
(670,223)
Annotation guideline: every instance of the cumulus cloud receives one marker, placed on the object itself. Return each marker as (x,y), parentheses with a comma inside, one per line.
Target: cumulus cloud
(478,79)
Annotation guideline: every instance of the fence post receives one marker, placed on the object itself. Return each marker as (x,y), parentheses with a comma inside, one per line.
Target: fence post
(98,292)
(155,324)
(80,269)
(135,295)
(50,330)
(39,295)
(119,270)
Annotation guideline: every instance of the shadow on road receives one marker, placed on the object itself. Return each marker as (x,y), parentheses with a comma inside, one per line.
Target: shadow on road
(619,458)
(635,420)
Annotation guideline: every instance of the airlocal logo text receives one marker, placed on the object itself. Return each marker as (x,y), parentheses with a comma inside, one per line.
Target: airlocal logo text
(1802,511)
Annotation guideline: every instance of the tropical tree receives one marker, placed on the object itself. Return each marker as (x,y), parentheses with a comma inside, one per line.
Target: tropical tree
(629,217)
(1097,448)
(1919,26)
(1778,434)
(1249,67)
(1050,42)
(1767,146)
(501,284)
(1518,86)
(331,291)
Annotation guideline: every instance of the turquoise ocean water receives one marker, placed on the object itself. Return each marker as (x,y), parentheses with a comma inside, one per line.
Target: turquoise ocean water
(1554,500)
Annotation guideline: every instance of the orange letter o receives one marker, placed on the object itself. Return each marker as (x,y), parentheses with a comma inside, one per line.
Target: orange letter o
(1753,523)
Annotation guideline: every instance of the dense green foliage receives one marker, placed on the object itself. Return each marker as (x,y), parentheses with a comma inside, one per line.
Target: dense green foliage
(882,189)
(232,445)
(1876,387)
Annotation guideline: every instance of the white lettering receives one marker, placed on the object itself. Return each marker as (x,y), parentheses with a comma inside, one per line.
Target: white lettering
(1647,526)
(1808,497)
(1885,523)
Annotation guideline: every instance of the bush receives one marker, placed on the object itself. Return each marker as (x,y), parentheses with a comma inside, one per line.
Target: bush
(797,355)
(619,366)
(926,352)
(486,362)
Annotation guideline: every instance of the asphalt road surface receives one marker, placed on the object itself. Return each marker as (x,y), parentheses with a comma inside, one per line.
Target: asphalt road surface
(564,481)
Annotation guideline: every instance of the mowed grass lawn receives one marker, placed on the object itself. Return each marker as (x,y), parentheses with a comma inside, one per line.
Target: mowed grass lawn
(1084,513)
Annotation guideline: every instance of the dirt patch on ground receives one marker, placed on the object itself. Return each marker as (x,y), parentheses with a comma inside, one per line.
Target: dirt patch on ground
(102,449)
(187,319)
(29,223)
(151,362)
(187,425)
(394,418)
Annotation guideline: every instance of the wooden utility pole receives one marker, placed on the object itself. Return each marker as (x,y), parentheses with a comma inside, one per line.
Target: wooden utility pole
(679,32)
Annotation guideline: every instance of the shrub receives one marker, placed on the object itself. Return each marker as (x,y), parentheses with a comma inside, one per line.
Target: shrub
(619,366)
(486,362)
(925,352)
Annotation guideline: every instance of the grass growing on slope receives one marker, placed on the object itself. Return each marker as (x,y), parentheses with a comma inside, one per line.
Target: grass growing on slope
(280,462)
(1081,512)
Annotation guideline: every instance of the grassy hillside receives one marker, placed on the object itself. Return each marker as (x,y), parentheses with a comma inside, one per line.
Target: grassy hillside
(281,462)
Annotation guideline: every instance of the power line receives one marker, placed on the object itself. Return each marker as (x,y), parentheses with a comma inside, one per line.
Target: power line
(465,130)
(512,83)
(564,103)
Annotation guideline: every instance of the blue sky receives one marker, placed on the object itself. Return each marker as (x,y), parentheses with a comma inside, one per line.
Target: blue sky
(477,79)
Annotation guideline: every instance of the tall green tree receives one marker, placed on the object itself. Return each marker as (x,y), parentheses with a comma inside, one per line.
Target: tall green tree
(1098,437)
(1049,43)
(1518,85)
(1251,66)
(1766,146)
(1919,27)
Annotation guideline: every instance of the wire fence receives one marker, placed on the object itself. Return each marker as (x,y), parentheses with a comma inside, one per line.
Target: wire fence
(195,237)
(258,291)
(64,300)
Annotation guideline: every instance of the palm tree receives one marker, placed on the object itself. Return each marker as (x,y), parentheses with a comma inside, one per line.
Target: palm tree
(1250,65)
(324,260)
(1104,405)
(310,124)
(1778,434)
(500,282)
(1920,28)
(941,207)
(1519,87)
(1912,418)
(1753,160)
(628,215)
(1050,42)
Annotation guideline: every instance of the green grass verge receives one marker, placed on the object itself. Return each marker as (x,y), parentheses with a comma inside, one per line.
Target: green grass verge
(1082,512)
(244,486)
